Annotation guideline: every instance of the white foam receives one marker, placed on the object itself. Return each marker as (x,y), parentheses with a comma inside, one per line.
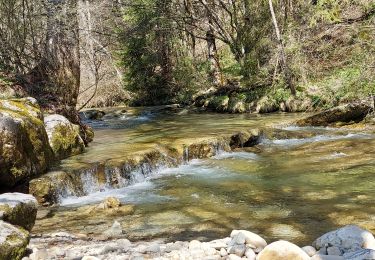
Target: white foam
(318,138)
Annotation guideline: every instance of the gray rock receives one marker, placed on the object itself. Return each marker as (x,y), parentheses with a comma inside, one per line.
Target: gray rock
(368,254)
(334,250)
(237,250)
(239,239)
(253,240)
(327,257)
(309,250)
(63,136)
(13,241)
(282,250)
(348,239)
(18,209)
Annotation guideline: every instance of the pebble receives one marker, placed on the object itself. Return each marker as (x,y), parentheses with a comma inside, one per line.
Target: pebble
(309,250)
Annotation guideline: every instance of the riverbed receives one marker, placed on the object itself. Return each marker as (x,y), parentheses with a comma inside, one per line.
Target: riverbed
(296,184)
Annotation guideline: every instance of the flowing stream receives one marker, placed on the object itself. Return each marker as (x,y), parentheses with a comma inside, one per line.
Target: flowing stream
(297,184)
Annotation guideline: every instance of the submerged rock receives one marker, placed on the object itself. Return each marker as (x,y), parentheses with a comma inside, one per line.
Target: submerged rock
(24,148)
(18,209)
(345,113)
(13,241)
(348,239)
(64,137)
(282,250)
(245,139)
(92,114)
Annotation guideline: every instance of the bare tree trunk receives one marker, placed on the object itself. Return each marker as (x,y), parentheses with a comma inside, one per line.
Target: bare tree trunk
(212,53)
(58,74)
(283,59)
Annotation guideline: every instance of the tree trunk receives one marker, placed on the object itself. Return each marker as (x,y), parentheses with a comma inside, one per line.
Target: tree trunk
(212,53)
(283,59)
(57,77)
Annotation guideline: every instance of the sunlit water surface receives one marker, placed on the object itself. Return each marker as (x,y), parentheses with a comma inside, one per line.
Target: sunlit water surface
(294,188)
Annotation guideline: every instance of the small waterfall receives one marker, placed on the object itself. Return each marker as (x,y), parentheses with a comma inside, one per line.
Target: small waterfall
(104,176)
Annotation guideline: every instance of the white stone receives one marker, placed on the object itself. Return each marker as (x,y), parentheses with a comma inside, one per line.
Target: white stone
(250,254)
(217,244)
(309,250)
(282,250)
(349,239)
(233,257)
(41,254)
(223,252)
(90,258)
(195,244)
(253,240)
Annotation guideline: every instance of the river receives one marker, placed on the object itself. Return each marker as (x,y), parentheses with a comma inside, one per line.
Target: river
(297,184)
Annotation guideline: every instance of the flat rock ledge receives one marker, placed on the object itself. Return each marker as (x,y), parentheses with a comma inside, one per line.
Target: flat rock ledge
(349,242)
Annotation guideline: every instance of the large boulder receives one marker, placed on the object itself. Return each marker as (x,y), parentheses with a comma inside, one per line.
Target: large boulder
(282,250)
(13,241)
(18,209)
(348,239)
(345,113)
(24,148)
(64,137)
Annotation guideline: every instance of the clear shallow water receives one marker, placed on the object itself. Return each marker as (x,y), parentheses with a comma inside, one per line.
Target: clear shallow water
(296,188)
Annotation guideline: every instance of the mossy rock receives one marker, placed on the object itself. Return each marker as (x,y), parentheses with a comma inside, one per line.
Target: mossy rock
(13,241)
(267,105)
(24,147)
(18,209)
(64,137)
(236,105)
(353,112)
(219,103)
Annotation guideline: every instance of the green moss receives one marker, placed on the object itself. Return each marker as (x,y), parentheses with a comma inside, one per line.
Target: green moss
(65,141)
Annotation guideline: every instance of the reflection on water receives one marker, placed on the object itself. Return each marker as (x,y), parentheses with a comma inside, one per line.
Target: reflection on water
(294,189)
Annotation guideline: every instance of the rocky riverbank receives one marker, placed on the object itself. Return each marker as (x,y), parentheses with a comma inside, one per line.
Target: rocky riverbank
(18,213)
(349,242)
(31,142)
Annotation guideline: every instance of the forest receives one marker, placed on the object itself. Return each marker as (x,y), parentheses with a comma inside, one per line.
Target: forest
(149,52)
